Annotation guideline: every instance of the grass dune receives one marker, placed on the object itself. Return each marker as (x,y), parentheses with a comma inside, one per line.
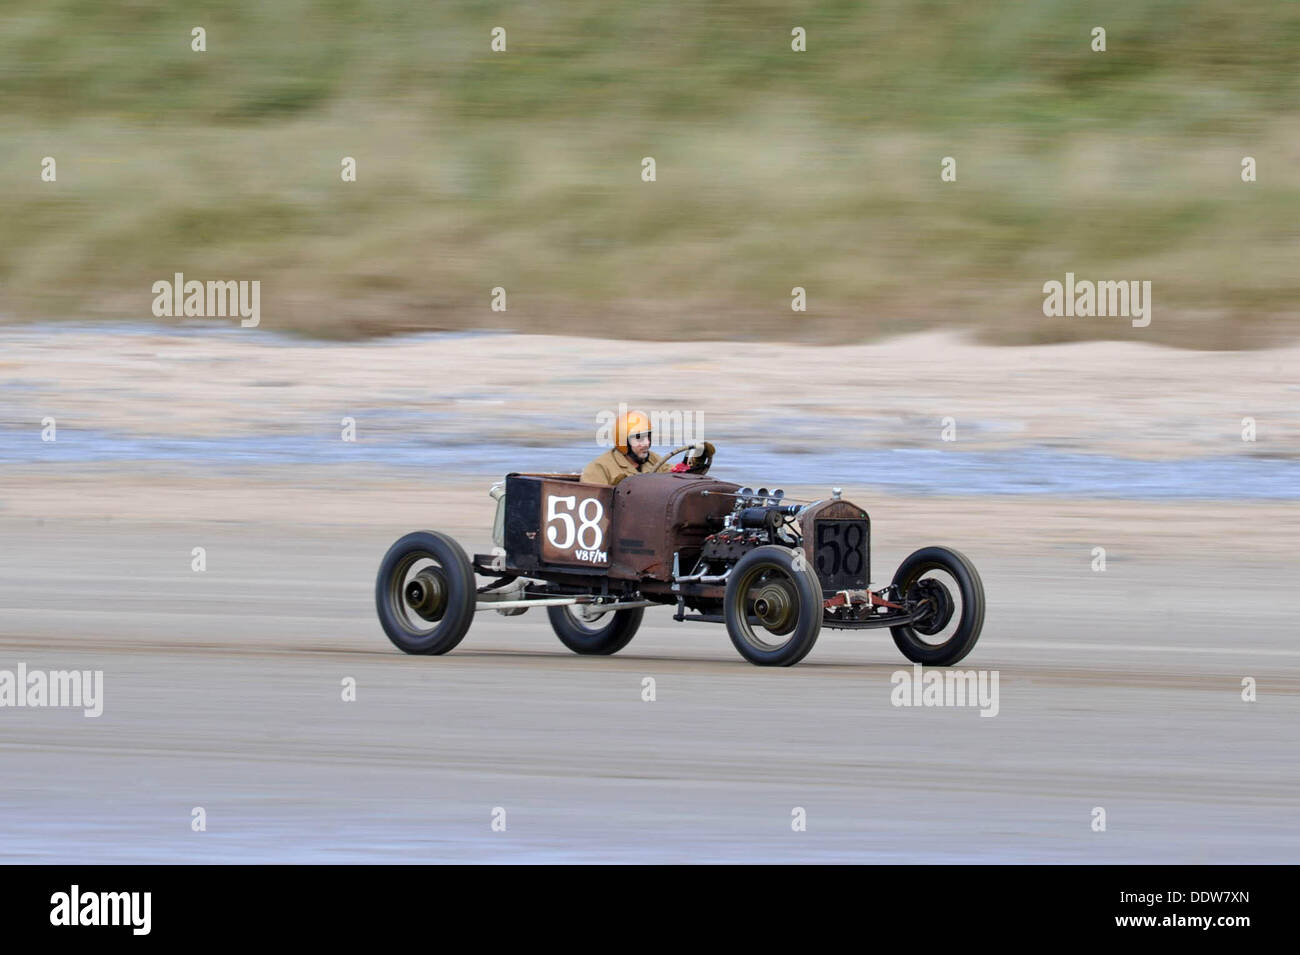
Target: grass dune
(775,169)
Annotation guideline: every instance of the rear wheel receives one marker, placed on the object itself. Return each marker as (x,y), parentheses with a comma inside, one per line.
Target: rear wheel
(773,608)
(948,587)
(597,633)
(425,593)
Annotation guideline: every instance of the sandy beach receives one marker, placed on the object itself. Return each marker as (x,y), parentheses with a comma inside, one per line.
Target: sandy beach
(1135,400)
(1121,687)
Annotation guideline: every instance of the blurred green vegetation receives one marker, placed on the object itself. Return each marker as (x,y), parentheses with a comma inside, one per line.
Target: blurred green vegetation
(775,169)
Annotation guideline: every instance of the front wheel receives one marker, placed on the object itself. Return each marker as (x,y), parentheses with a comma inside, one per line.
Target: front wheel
(945,585)
(594,633)
(773,607)
(425,593)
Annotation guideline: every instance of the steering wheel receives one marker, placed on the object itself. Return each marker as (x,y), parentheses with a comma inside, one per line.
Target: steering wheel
(700,463)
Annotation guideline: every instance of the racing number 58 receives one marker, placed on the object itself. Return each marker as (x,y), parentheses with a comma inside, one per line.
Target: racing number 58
(839,548)
(555,518)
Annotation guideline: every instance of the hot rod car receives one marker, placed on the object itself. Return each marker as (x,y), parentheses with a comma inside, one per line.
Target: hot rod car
(775,571)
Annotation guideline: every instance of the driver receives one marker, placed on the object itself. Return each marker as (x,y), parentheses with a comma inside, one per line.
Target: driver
(631,456)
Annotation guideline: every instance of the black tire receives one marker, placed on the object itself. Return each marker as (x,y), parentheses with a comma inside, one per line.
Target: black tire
(598,638)
(448,615)
(909,638)
(797,614)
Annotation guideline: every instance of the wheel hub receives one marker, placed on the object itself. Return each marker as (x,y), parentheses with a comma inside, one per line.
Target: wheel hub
(588,613)
(426,593)
(774,605)
(932,594)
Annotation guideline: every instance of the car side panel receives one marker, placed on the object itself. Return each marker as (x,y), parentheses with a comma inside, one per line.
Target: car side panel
(557,524)
(658,514)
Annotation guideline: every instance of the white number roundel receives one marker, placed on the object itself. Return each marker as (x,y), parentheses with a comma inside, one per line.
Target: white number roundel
(560,528)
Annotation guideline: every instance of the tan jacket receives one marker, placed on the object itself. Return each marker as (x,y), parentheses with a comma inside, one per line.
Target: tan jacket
(613,466)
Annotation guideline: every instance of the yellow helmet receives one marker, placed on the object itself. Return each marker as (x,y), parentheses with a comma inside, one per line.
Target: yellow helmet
(632,422)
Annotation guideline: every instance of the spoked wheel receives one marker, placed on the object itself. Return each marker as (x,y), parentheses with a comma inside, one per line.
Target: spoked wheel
(425,593)
(773,608)
(947,587)
(598,633)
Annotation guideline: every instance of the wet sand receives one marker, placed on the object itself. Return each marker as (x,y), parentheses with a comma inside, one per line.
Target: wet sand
(223,690)
(1118,689)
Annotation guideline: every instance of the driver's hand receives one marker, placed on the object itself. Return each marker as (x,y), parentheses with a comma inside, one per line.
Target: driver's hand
(701,454)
